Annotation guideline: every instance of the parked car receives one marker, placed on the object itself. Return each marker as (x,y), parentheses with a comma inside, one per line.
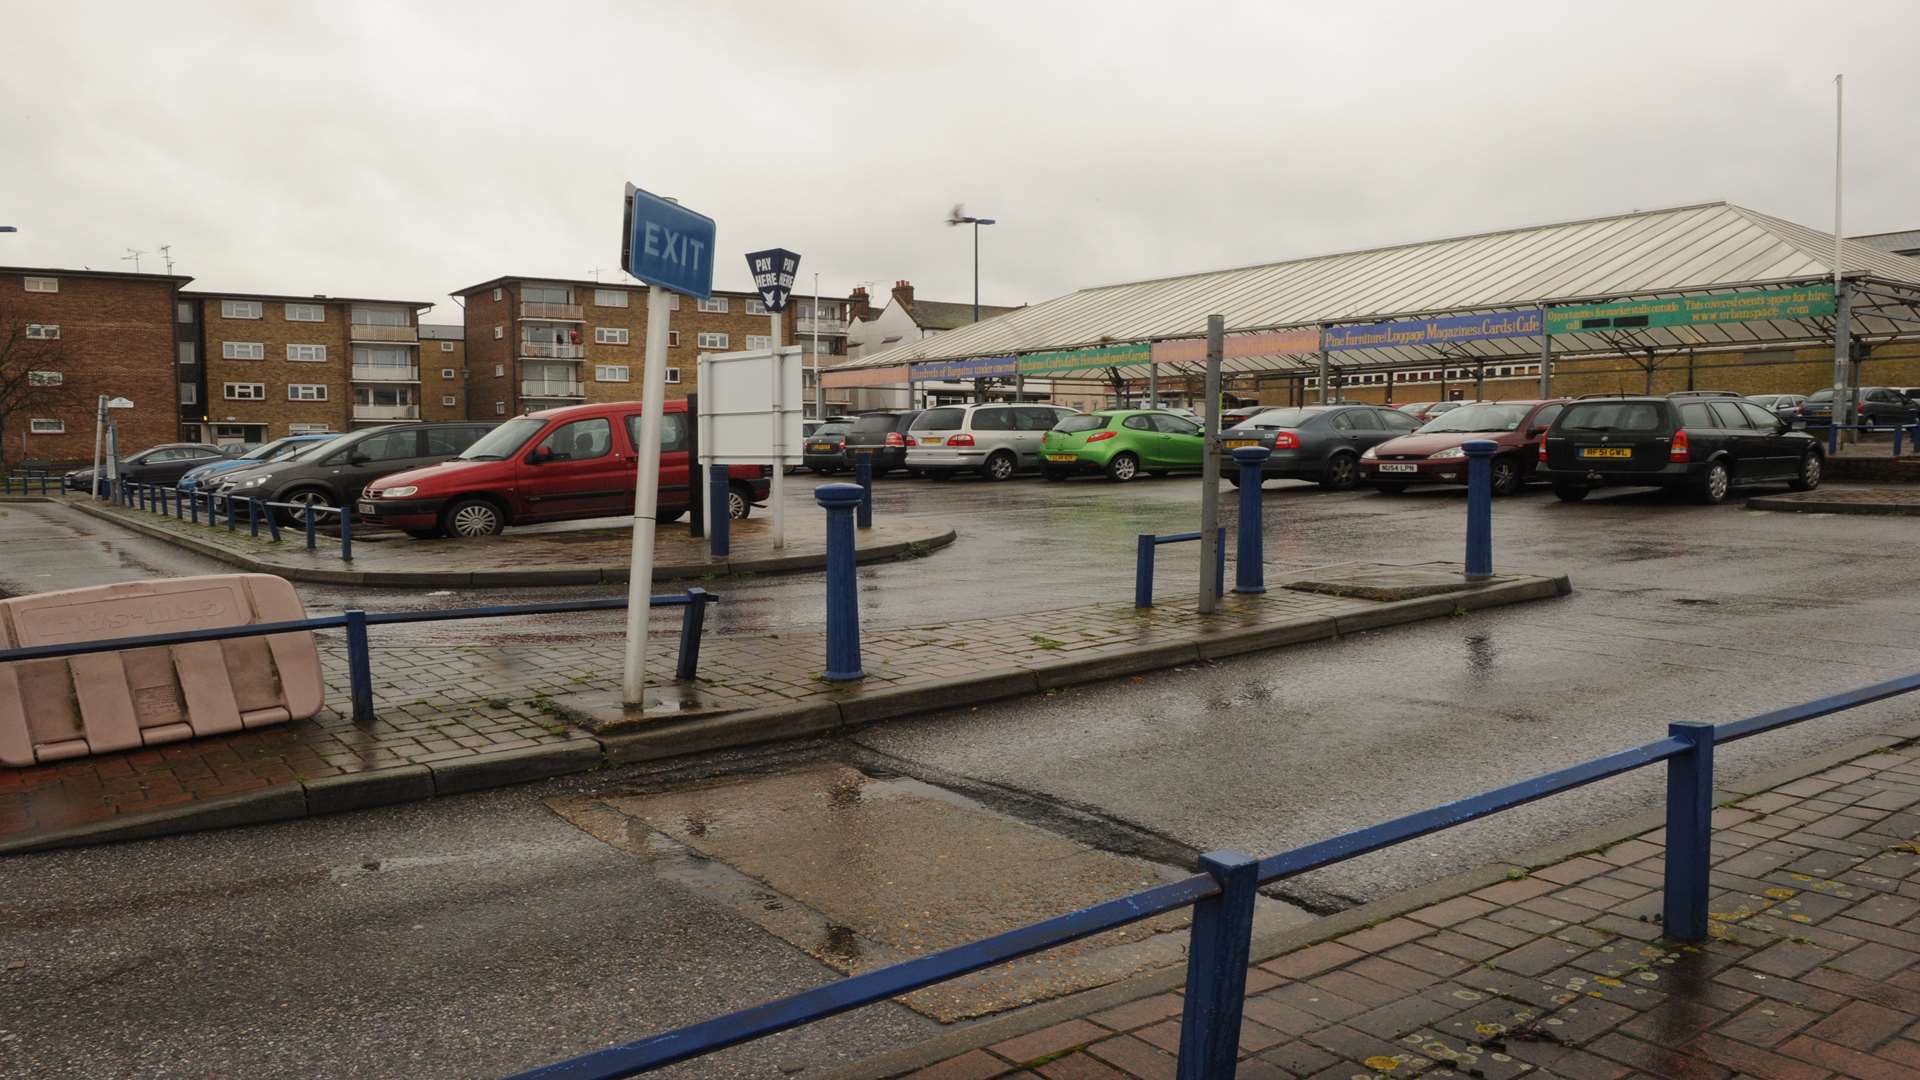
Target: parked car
(334,472)
(1242,413)
(882,434)
(1872,405)
(554,465)
(1705,442)
(1424,411)
(1789,407)
(826,448)
(1317,442)
(161,464)
(994,440)
(1122,443)
(1433,454)
(272,451)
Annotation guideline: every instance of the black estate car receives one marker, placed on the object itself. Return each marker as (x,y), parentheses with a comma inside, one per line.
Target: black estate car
(882,434)
(1702,441)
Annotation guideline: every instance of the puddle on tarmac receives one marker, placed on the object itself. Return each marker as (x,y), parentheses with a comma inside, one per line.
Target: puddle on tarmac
(861,871)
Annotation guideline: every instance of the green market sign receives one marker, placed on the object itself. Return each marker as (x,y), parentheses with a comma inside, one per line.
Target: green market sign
(1692,310)
(1079,359)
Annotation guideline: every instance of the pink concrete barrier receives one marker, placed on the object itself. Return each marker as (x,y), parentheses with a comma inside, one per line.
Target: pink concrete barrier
(93,704)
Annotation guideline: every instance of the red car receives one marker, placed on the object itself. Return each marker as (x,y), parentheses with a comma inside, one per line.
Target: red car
(553,465)
(1433,455)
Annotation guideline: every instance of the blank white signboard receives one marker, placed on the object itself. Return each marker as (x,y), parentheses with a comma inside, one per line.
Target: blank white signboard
(737,413)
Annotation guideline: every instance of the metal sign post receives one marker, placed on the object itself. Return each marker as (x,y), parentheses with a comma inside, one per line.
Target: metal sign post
(99,441)
(1210,471)
(671,249)
(774,271)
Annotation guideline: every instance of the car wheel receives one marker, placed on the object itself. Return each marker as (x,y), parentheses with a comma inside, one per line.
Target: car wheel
(427,534)
(1395,489)
(1506,475)
(1122,467)
(306,497)
(468,519)
(1808,477)
(1713,484)
(1000,466)
(739,504)
(1570,492)
(1342,470)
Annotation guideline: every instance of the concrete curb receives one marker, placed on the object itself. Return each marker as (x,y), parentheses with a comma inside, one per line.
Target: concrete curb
(1816,506)
(321,575)
(987,1032)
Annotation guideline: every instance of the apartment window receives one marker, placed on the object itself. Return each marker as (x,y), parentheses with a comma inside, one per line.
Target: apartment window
(757,306)
(610,335)
(307,429)
(243,350)
(306,313)
(673,375)
(673,301)
(717,304)
(307,354)
(673,339)
(496,294)
(43,284)
(446,373)
(43,331)
(188,352)
(609,298)
(383,396)
(240,309)
(189,393)
(379,316)
(499,332)
(707,339)
(499,408)
(46,378)
(447,400)
(612,373)
(499,370)
(246,391)
(446,346)
(306,392)
(759,341)
(47,427)
(183,312)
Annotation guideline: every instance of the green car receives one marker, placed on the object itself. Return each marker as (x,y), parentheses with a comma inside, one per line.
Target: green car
(1123,443)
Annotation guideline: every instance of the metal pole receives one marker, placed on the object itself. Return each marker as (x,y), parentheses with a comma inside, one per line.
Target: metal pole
(1153,384)
(1249,569)
(976,271)
(1480,382)
(863,475)
(646,499)
(819,389)
(696,491)
(1689,834)
(99,440)
(777,490)
(1210,472)
(720,518)
(843,600)
(1479,561)
(1546,356)
(1220,940)
(1842,358)
(359,667)
(1323,365)
(1841,331)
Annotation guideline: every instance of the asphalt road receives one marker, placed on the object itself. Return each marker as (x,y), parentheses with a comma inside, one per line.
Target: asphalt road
(502,935)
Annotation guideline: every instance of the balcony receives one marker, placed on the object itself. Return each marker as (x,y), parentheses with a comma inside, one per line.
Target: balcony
(385,412)
(550,388)
(365,332)
(824,326)
(541,351)
(558,312)
(385,374)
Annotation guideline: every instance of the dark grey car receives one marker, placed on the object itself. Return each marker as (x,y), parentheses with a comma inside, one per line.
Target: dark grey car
(1322,443)
(882,434)
(825,451)
(163,464)
(334,472)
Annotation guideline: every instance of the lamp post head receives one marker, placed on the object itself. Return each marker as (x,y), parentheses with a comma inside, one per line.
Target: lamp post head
(8,228)
(983,221)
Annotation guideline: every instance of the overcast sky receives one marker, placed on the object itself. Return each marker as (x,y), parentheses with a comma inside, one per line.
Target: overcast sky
(404,149)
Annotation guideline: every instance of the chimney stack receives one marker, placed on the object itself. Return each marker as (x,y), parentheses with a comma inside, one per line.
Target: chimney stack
(903,292)
(859,306)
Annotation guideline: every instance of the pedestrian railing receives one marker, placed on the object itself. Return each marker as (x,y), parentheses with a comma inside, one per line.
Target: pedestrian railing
(356,624)
(1222,897)
(1901,432)
(29,482)
(186,504)
(1143,560)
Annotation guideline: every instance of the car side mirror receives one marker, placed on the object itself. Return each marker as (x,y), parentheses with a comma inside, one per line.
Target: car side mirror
(358,459)
(540,456)
(1534,433)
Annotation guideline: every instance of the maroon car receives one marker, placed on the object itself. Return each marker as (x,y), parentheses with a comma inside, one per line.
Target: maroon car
(1433,455)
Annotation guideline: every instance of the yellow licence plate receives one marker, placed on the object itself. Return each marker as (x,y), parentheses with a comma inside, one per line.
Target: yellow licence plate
(1235,444)
(823,446)
(1062,457)
(1606,451)
(932,440)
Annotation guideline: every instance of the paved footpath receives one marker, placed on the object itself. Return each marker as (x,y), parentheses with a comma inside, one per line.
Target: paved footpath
(1812,969)
(1844,499)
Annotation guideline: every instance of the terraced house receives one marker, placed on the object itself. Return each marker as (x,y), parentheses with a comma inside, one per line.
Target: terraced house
(257,366)
(538,343)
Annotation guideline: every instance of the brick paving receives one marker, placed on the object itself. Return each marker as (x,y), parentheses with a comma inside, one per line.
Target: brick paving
(1875,498)
(1812,969)
(443,702)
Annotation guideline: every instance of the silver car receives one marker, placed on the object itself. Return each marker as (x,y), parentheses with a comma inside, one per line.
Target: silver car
(994,440)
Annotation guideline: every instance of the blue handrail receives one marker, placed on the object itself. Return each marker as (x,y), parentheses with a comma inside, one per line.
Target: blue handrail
(1687,750)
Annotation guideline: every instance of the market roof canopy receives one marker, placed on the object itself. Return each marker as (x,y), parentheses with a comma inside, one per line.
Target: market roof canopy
(1472,297)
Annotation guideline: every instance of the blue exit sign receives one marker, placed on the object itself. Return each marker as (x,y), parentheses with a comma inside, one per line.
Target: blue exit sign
(667,245)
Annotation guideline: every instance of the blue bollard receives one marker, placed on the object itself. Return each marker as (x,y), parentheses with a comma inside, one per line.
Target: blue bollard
(1480,508)
(1833,436)
(346,533)
(253,517)
(232,515)
(193,506)
(720,523)
(1689,834)
(1143,571)
(1219,943)
(843,602)
(1249,567)
(359,667)
(863,475)
(179,511)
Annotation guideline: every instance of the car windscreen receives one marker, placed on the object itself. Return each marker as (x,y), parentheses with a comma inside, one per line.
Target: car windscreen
(835,428)
(1275,418)
(873,424)
(1612,416)
(939,420)
(1073,424)
(504,441)
(1478,418)
(1821,395)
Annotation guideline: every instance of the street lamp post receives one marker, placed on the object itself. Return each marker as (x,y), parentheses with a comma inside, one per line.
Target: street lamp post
(959,216)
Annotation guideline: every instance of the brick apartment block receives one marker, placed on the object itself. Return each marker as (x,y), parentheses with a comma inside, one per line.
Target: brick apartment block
(115,336)
(538,343)
(443,372)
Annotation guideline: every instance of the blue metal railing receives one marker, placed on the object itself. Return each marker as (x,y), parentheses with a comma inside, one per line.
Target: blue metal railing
(355,623)
(1143,563)
(1223,900)
(30,482)
(1900,432)
(186,504)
